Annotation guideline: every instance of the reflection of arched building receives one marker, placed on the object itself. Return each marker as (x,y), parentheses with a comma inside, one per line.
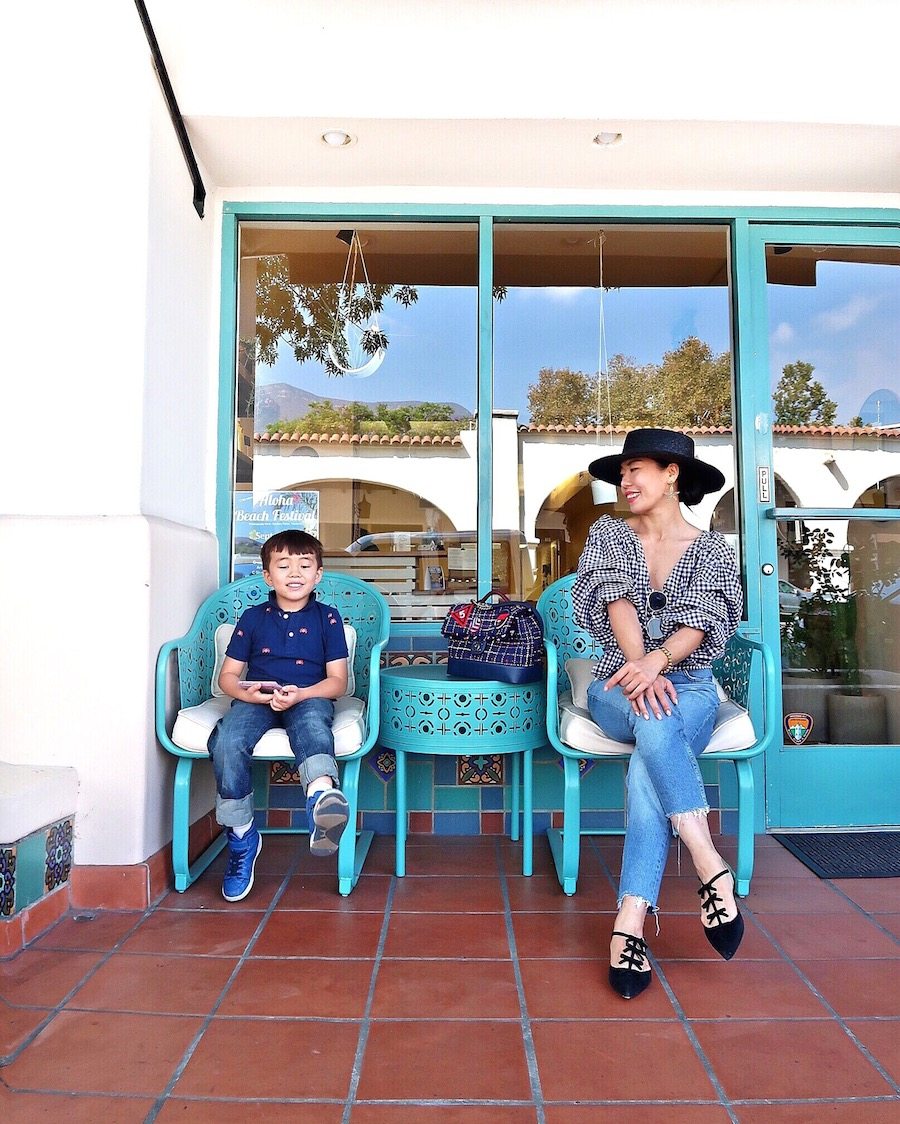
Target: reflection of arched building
(542,501)
(724,517)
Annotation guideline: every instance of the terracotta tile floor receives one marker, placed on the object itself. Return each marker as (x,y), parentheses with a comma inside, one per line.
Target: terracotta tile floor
(461,994)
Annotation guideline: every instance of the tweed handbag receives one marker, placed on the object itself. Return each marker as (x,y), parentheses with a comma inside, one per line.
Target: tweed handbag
(495,640)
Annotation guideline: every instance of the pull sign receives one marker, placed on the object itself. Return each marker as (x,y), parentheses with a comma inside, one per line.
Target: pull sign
(762,483)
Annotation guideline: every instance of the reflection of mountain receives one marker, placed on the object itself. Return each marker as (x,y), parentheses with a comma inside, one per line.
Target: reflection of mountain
(882,407)
(280,400)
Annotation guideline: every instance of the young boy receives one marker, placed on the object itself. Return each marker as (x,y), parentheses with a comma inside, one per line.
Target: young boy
(296,657)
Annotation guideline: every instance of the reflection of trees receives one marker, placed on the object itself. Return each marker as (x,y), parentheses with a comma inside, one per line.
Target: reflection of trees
(799,399)
(690,387)
(307,317)
(563,397)
(424,418)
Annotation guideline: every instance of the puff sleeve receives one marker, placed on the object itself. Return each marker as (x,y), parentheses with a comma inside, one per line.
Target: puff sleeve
(709,598)
(606,572)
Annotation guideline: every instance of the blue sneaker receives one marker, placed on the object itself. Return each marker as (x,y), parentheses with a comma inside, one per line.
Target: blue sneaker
(327,814)
(242,854)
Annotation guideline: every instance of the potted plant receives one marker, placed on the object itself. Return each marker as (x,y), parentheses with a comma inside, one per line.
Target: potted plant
(820,642)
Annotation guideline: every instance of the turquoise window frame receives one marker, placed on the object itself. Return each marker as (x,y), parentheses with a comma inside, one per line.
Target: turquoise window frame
(753,441)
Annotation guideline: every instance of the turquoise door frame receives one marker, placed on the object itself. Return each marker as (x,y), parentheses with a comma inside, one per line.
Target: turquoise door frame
(814,786)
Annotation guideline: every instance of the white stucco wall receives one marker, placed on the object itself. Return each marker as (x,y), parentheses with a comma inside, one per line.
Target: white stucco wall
(105,547)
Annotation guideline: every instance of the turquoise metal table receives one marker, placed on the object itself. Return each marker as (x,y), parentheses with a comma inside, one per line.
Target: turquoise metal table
(423,710)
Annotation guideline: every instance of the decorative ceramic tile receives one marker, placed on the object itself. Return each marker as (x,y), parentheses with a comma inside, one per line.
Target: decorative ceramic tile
(383,764)
(283,772)
(59,855)
(410,659)
(7,881)
(585,764)
(483,769)
(31,868)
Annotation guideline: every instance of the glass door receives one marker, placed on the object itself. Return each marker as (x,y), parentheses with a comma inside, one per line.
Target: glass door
(826,334)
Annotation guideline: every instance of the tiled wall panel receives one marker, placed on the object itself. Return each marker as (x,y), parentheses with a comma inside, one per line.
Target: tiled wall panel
(465,795)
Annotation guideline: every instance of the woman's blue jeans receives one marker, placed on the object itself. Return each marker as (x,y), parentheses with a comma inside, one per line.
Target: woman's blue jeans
(230,745)
(663,779)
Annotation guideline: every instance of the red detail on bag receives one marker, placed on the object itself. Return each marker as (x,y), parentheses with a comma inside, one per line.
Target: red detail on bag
(461,613)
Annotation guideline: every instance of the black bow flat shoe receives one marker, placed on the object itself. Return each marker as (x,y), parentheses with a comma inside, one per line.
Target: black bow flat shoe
(632,977)
(724,936)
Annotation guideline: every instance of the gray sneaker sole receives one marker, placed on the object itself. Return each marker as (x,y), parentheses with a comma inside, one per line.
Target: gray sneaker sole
(330,818)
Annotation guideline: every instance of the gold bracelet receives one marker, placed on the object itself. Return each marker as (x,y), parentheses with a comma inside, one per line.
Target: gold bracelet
(670,663)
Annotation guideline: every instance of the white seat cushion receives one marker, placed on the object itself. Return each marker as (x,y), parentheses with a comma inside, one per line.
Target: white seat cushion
(194,724)
(733,730)
(223,636)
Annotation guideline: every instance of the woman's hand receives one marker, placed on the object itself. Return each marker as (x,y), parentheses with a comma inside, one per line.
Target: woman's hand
(643,685)
(660,697)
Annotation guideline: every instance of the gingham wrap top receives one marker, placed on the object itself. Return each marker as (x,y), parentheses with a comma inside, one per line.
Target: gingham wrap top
(703,591)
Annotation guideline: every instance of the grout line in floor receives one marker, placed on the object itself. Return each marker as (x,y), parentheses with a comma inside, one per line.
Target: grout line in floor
(366,1022)
(207,1019)
(534,1076)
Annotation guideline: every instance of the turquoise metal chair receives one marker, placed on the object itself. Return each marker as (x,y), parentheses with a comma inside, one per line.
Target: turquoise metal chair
(193,670)
(738,737)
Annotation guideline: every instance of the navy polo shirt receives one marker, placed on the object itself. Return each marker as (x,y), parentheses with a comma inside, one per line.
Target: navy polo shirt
(288,647)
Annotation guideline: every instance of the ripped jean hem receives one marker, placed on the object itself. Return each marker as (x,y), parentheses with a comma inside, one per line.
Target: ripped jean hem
(651,908)
(696,813)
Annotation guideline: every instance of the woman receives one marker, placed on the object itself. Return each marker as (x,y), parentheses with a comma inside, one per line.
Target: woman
(662,597)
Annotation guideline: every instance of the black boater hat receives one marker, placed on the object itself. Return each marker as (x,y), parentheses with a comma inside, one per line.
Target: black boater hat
(663,444)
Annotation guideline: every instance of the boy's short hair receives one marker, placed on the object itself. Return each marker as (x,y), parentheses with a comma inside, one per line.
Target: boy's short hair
(291,542)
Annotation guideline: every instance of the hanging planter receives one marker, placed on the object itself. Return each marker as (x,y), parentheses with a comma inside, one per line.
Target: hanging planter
(357,346)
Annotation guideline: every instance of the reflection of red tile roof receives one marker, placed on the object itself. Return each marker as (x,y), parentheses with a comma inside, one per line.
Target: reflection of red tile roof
(799,430)
(353,439)
(615,429)
(839,430)
(294,437)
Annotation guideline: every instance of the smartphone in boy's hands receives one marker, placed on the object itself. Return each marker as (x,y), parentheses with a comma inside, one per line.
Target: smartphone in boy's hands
(267,687)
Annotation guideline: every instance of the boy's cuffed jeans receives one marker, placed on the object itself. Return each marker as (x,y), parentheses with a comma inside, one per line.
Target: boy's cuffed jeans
(663,780)
(308,727)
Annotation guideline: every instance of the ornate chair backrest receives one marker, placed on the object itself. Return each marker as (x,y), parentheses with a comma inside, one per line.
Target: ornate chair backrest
(560,629)
(359,604)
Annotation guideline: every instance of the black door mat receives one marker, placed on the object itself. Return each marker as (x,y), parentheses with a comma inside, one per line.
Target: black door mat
(847,854)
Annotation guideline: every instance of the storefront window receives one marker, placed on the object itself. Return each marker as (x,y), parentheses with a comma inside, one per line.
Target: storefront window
(600,329)
(355,403)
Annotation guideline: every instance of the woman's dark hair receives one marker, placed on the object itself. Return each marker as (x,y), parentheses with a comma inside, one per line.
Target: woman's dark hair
(689,491)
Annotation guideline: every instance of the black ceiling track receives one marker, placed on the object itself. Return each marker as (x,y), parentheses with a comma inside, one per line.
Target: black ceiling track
(174,111)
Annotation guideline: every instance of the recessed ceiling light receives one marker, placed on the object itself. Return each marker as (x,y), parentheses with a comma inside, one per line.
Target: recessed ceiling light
(604,140)
(337,138)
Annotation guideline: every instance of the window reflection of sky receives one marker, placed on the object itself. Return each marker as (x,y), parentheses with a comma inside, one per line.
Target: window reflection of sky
(433,344)
(847,327)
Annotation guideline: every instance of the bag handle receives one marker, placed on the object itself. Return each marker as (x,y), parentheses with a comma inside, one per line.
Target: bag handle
(492,593)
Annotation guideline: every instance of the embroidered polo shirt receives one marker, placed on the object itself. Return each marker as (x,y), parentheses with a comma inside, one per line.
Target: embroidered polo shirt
(288,647)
